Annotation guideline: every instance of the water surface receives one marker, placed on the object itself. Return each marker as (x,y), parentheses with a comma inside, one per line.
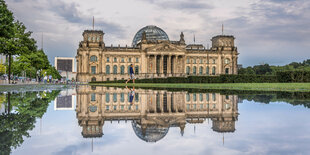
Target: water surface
(106,120)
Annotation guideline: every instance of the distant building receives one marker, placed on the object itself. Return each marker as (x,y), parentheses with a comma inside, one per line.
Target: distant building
(65,100)
(65,67)
(153,55)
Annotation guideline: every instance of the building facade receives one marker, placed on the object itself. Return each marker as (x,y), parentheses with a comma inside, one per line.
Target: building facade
(66,68)
(153,56)
(153,112)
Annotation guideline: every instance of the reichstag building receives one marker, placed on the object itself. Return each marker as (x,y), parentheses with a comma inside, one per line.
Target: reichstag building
(153,55)
(153,112)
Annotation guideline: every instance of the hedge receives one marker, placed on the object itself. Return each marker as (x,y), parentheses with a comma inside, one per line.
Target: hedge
(280,77)
(293,76)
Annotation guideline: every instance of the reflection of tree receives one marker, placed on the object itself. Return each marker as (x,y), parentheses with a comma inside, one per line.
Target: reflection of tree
(15,125)
(294,98)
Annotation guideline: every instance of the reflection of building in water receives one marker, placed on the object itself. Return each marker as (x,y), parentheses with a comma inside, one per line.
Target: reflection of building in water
(65,100)
(153,111)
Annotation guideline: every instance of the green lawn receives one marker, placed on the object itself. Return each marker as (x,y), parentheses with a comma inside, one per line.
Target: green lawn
(298,87)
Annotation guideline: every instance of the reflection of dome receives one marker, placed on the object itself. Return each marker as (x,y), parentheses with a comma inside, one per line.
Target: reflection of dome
(152,32)
(151,134)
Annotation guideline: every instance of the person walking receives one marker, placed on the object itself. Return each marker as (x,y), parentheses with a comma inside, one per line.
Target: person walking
(131,94)
(131,74)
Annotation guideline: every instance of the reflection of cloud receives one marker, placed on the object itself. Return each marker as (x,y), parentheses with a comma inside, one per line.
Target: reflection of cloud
(274,132)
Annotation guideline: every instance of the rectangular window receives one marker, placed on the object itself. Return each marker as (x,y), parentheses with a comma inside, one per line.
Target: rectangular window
(122,107)
(114,107)
(187,106)
(107,107)
(213,61)
(123,60)
(115,59)
(93,69)
(129,59)
(194,61)
(137,59)
(201,106)
(108,59)
(187,60)
(201,61)
(137,107)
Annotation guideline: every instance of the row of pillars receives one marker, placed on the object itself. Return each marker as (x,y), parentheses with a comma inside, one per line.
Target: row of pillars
(156,64)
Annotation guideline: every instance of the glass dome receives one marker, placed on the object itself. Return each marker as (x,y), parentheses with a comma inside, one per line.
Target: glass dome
(153,33)
(152,133)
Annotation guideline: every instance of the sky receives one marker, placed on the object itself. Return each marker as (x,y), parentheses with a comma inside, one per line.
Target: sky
(276,32)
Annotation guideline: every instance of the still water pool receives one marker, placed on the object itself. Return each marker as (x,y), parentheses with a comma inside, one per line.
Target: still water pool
(108,120)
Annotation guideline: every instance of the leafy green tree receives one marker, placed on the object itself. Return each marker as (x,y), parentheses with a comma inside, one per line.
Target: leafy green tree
(14,39)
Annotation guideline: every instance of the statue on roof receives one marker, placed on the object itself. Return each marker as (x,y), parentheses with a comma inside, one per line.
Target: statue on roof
(182,41)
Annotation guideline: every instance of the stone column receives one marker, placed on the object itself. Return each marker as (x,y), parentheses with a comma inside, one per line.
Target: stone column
(155,63)
(169,65)
(100,64)
(87,63)
(175,64)
(161,66)
(149,65)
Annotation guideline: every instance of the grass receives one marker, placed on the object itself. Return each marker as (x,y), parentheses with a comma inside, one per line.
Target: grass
(291,87)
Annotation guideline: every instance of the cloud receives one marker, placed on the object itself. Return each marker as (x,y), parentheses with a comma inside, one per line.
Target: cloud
(182,5)
(265,30)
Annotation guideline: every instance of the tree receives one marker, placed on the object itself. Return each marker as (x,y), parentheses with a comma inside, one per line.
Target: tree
(14,39)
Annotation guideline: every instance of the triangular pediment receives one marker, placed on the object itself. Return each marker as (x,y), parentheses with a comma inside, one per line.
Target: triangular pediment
(165,47)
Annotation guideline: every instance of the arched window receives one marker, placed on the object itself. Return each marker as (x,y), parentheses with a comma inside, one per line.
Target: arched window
(92,108)
(188,98)
(93,97)
(137,70)
(107,69)
(122,97)
(93,69)
(226,61)
(122,69)
(200,97)
(187,70)
(114,69)
(200,70)
(207,97)
(207,70)
(114,97)
(107,97)
(128,70)
(194,70)
(213,97)
(93,58)
(213,70)
(226,70)
(137,97)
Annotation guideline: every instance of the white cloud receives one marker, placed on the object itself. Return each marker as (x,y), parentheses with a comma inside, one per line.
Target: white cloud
(261,27)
